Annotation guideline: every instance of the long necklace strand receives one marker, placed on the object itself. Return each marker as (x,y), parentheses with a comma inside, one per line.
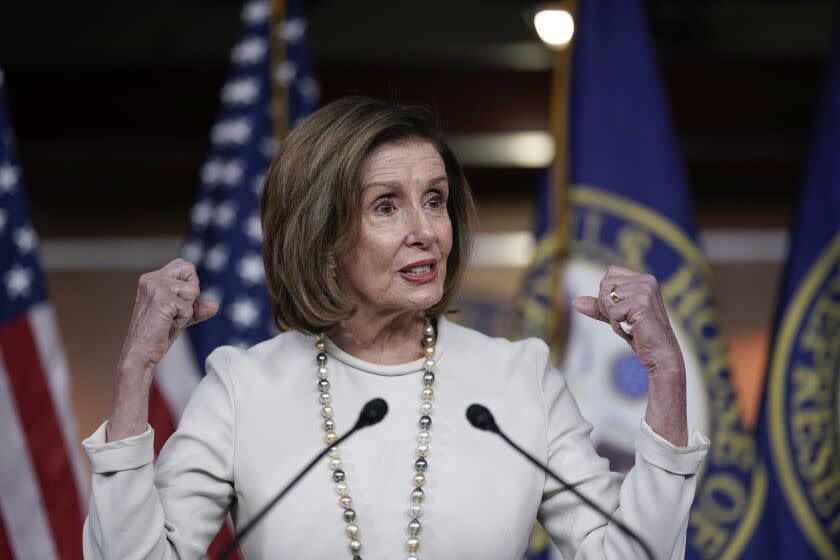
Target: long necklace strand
(421,463)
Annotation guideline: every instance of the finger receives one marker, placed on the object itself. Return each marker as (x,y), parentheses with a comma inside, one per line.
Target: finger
(643,291)
(183,314)
(605,302)
(609,283)
(626,286)
(621,285)
(616,327)
(587,305)
(616,270)
(180,269)
(621,293)
(203,309)
(618,313)
(187,291)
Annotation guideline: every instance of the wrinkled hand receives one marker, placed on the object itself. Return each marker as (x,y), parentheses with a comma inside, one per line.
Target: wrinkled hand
(640,305)
(167,302)
(639,302)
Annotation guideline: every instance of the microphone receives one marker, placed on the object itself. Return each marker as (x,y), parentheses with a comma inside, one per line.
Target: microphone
(480,417)
(372,413)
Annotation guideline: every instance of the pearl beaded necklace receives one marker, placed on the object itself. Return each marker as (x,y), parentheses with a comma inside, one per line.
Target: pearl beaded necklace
(421,464)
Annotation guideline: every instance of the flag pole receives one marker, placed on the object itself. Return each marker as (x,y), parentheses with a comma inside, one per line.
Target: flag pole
(560,176)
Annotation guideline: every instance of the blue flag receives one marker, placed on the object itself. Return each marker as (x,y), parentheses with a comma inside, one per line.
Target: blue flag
(629,205)
(798,426)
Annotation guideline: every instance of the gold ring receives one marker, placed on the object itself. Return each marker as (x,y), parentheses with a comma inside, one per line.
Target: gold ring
(614,296)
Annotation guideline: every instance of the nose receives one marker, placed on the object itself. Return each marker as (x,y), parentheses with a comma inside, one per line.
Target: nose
(421,234)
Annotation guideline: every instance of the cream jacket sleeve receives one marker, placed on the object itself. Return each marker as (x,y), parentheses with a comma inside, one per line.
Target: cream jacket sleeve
(154,517)
(653,499)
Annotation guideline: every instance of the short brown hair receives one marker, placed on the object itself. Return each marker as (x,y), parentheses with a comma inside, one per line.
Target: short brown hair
(311,206)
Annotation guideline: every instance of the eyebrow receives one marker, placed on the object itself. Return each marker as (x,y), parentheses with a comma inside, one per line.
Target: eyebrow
(396,184)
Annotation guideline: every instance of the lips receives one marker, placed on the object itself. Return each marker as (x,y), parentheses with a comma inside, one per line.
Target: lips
(420,272)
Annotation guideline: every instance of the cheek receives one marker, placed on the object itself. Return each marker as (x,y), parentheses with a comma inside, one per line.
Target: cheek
(445,238)
(376,248)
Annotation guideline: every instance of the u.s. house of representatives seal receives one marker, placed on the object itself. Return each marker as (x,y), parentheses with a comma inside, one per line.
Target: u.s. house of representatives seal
(802,400)
(611,385)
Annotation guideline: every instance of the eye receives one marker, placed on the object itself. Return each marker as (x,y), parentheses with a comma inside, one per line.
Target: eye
(384,207)
(436,202)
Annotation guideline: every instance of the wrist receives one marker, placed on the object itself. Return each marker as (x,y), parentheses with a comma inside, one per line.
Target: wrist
(671,429)
(130,408)
(666,408)
(134,373)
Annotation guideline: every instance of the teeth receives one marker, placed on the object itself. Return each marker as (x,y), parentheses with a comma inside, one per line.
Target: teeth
(419,269)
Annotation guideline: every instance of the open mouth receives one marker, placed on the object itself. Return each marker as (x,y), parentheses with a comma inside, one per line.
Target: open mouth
(420,272)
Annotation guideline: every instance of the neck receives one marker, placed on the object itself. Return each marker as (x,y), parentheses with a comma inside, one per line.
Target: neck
(385,339)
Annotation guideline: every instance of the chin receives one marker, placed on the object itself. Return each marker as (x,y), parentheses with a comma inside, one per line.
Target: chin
(428,298)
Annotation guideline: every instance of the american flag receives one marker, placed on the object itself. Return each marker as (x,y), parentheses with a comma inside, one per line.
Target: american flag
(225,241)
(43,482)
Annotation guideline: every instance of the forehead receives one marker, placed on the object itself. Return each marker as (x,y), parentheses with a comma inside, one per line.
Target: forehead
(404,160)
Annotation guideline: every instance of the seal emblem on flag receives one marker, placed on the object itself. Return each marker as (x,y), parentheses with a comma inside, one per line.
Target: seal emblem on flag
(802,401)
(611,385)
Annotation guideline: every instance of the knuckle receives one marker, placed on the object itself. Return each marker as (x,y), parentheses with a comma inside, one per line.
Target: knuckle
(150,291)
(183,305)
(156,291)
(189,292)
(181,315)
(168,306)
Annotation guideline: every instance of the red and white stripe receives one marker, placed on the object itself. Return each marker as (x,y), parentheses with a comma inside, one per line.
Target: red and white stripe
(43,488)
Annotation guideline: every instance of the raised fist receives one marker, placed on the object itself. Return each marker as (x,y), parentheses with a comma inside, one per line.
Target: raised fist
(167,302)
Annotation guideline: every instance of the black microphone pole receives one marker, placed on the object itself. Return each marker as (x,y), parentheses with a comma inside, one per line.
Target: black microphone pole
(480,417)
(372,413)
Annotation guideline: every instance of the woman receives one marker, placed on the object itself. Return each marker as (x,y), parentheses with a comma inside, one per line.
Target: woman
(366,218)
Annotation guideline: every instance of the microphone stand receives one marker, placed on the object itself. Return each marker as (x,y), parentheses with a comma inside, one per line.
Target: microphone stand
(480,417)
(372,413)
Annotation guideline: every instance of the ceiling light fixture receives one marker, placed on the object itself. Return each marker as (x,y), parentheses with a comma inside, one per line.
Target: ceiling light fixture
(555,25)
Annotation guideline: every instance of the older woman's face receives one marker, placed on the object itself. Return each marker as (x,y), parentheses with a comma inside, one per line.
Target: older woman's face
(399,261)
